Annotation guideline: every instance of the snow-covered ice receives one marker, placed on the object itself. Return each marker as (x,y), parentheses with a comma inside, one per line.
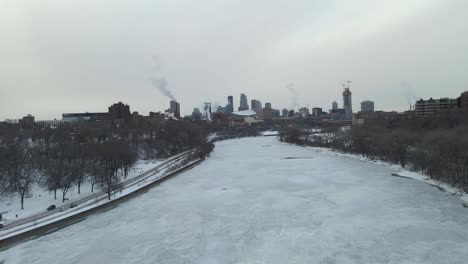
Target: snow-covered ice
(256,200)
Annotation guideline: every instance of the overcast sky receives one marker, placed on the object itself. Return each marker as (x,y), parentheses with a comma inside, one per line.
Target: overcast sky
(61,56)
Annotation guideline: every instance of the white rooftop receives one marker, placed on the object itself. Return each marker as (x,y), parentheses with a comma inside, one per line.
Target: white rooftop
(245,113)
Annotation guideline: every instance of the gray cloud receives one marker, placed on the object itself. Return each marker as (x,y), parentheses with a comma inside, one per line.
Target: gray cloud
(83,55)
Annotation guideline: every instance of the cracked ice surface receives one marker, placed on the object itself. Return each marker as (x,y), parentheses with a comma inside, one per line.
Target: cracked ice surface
(247,204)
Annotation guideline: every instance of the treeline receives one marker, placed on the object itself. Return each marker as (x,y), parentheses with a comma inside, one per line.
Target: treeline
(440,152)
(100,153)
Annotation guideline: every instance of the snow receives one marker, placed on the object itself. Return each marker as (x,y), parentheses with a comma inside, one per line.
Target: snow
(100,200)
(41,198)
(399,171)
(248,204)
(249,112)
(270,133)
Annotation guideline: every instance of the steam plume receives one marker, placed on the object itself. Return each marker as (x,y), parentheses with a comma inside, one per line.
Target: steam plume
(294,97)
(160,82)
(408,93)
(161,85)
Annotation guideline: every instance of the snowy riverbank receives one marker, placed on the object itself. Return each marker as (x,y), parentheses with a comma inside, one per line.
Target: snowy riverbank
(399,171)
(41,198)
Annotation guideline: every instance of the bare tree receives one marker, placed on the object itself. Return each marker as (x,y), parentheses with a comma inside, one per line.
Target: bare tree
(21,169)
(66,182)
(56,169)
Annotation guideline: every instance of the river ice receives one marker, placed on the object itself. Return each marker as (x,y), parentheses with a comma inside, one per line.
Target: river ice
(256,200)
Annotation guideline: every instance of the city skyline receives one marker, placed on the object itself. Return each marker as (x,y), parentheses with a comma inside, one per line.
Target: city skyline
(346,105)
(395,52)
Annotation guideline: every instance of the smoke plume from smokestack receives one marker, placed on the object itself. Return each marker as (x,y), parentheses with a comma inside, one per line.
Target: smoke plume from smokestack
(161,85)
(160,82)
(408,93)
(294,97)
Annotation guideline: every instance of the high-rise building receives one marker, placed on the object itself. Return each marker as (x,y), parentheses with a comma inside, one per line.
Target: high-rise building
(256,105)
(230,105)
(196,114)
(267,112)
(284,112)
(304,111)
(334,105)
(367,106)
(175,108)
(28,120)
(243,103)
(348,104)
(464,101)
(275,113)
(119,111)
(317,111)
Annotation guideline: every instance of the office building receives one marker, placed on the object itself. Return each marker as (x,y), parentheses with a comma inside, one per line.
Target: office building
(434,107)
(28,120)
(256,105)
(367,106)
(463,99)
(267,112)
(230,105)
(220,118)
(338,114)
(334,105)
(196,114)
(304,111)
(317,111)
(276,113)
(119,111)
(78,117)
(348,104)
(174,108)
(50,123)
(243,103)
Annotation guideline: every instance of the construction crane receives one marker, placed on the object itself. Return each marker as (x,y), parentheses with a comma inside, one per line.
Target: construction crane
(346,82)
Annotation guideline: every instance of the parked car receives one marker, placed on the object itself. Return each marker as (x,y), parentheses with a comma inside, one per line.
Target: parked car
(52,207)
(62,209)
(73,205)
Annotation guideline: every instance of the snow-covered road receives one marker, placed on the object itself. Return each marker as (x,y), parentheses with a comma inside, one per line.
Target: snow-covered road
(256,200)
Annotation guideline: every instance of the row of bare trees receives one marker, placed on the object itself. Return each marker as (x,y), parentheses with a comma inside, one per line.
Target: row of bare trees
(441,153)
(99,153)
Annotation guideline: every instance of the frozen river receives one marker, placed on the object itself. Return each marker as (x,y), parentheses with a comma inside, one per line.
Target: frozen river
(256,200)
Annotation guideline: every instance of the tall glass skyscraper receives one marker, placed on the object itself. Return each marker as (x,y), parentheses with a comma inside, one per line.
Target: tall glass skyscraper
(244,105)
